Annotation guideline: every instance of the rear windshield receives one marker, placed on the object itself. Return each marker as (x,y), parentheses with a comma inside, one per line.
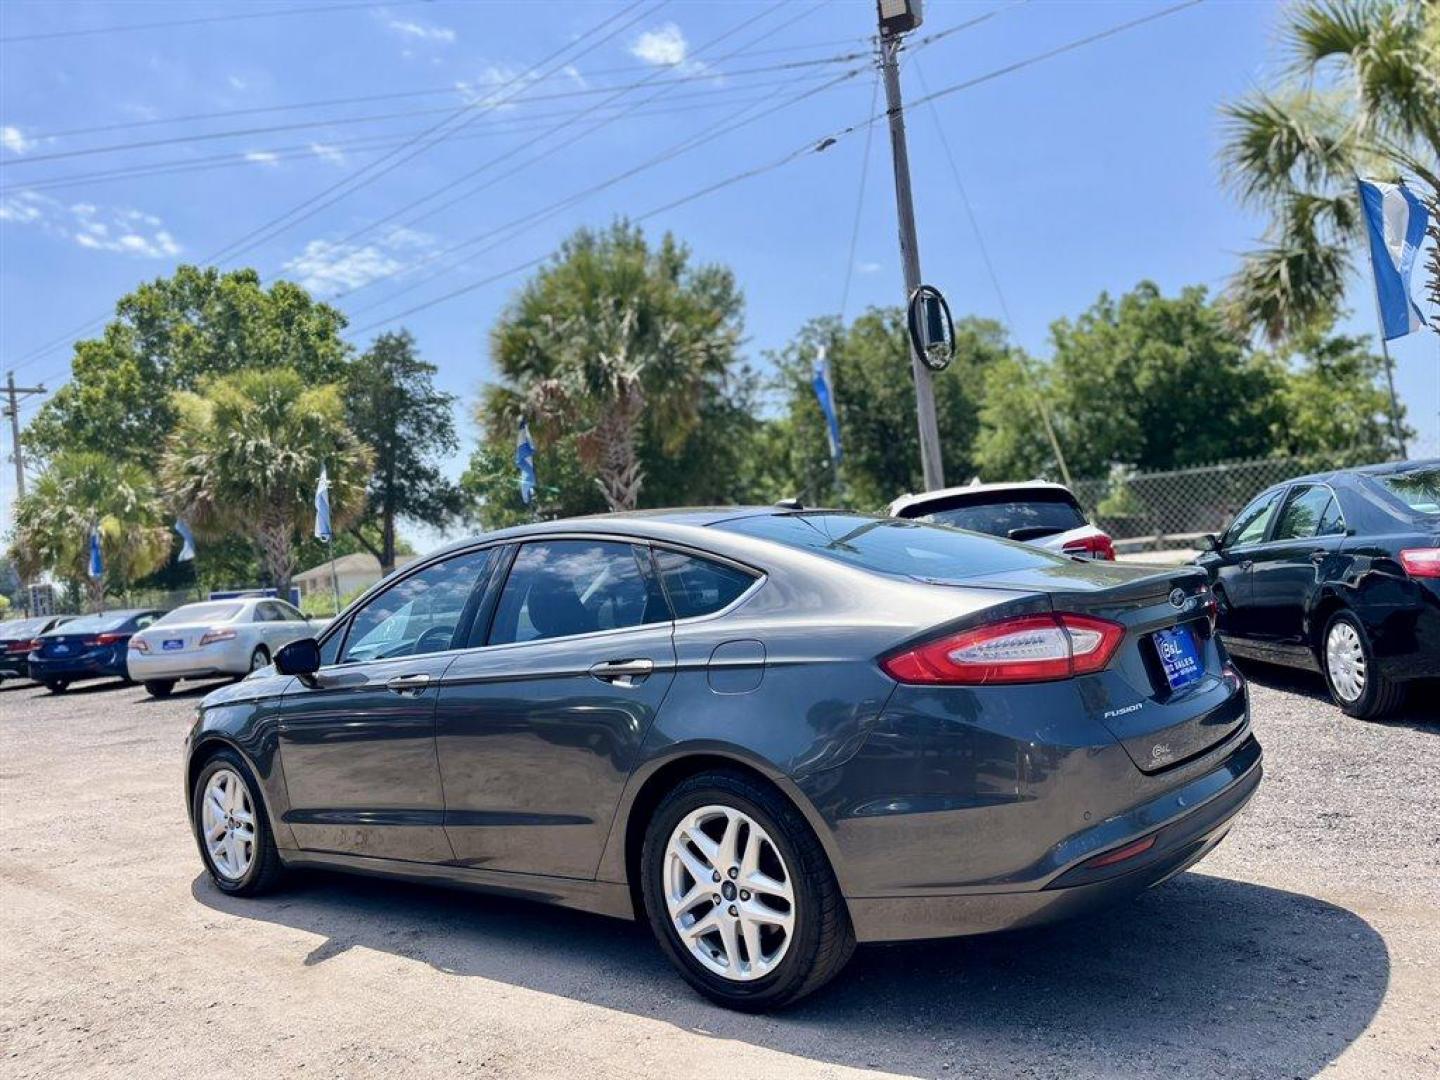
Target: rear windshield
(1025,517)
(894,545)
(217,612)
(1418,488)
(95,624)
(23,627)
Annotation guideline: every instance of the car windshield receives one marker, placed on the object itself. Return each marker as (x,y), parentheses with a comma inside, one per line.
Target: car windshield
(1015,517)
(94,624)
(212,612)
(894,545)
(1418,488)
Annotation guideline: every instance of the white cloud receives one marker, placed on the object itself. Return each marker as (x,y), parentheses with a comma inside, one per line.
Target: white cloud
(327,268)
(237,83)
(263,157)
(115,229)
(665,45)
(325,152)
(418,31)
(14,140)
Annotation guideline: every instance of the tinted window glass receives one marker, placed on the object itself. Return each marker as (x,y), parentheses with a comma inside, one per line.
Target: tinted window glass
(23,628)
(95,624)
(1332,521)
(895,545)
(699,586)
(286,613)
(1419,489)
(1250,524)
(418,614)
(559,588)
(1303,511)
(217,612)
(1015,519)
(330,648)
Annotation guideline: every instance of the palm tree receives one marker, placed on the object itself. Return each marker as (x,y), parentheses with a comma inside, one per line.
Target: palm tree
(245,456)
(1362,99)
(78,492)
(615,343)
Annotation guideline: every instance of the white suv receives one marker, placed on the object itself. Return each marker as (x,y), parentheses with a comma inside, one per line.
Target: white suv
(1033,512)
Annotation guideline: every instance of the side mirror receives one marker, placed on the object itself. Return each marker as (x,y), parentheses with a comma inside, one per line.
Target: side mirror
(1210,542)
(299,657)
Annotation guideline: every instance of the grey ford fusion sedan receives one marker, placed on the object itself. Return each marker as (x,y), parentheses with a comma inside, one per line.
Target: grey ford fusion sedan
(770,732)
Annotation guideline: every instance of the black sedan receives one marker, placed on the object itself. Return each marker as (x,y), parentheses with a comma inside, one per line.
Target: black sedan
(1338,573)
(88,647)
(771,733)
(17,638)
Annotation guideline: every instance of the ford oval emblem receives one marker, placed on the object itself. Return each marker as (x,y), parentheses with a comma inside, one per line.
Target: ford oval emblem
(1177,598)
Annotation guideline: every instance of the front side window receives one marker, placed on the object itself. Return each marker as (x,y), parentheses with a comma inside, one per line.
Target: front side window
(699,586)
(1250,524)
(560,588)
(1303,512)
(418,614)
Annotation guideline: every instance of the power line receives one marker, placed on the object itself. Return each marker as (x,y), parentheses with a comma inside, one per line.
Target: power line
(236,17)
(859,202)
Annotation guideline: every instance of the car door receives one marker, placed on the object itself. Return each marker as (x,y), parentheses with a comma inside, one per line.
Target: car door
(1230,566)
(357,740)
(539,726)
(1288,567)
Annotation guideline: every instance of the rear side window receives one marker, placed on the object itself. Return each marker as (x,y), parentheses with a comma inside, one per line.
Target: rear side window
(1025,518)
(561,588)
(895,545)
(699,586)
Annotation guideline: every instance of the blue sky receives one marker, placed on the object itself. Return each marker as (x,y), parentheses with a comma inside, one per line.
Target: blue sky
(1089,171)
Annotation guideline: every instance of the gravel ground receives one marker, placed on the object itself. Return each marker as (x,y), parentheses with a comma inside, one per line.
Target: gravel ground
(1308,944)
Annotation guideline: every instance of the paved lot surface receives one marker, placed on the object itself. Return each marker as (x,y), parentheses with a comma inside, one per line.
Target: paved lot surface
(1309,944)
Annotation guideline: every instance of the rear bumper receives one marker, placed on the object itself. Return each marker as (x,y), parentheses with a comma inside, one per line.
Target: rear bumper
(78,667)
(14,667)
(1187,824)
(192,665)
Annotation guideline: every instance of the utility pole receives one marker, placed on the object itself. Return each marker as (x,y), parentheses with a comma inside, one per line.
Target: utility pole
(897,17)
(13,394)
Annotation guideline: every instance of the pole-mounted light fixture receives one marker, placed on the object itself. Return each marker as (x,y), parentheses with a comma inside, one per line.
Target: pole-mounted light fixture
(898,16)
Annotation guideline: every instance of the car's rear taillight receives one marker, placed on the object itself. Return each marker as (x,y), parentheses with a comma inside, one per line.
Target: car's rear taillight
(108,639)
(1097,546)
(20,646)
(1028,648)
(1421,562)
(33,646)
(212,636)
(139,644)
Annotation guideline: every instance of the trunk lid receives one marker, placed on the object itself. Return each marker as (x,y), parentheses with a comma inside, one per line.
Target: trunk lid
(177,638)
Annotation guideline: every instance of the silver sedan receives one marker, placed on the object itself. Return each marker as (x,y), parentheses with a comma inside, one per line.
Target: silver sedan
(216,637)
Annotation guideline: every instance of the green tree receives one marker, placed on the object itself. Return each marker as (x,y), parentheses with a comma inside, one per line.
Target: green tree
(614,350)
(171,334)
(1145,380)
(76,493)
(246,453)
(875,401)
(1332,402)
(392,405)
(1361,97)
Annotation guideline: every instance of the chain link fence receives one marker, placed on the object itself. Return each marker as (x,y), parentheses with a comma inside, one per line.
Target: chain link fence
(1149,511)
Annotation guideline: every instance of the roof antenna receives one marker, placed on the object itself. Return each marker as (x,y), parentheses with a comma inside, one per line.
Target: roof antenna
(790,504)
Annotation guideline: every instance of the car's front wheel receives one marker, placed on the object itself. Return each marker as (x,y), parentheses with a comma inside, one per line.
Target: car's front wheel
(230,824)
(740,894)
(1349,664)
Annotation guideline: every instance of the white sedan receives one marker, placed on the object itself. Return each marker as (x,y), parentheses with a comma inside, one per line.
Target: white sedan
(215,637)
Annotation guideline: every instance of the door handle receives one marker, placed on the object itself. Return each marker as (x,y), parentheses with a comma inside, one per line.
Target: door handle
(623,672)
(1246,564)
(408,684)
(1318,556)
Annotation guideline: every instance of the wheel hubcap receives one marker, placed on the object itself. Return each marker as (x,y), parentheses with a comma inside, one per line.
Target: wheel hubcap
(257,660)
(1345,660)
(742,929)
(228,818)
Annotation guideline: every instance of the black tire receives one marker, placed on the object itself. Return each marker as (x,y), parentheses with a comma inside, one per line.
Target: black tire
(261,654)
(823,940)
(159,688)
(57,686)
(265,869)
(1380,695)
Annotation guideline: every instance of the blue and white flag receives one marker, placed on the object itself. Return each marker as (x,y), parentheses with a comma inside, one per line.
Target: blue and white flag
(825,394)
(96,567)
(322,507)
(187,538)
(1395,221)
(525,462)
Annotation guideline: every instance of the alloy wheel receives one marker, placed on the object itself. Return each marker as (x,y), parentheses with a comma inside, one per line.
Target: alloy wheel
(228,820)
(729,893)
(1345,661)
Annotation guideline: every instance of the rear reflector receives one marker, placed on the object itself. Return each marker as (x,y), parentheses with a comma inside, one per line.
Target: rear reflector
(1421,562)
(1097,546)
(1129,851)
(1028,648)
